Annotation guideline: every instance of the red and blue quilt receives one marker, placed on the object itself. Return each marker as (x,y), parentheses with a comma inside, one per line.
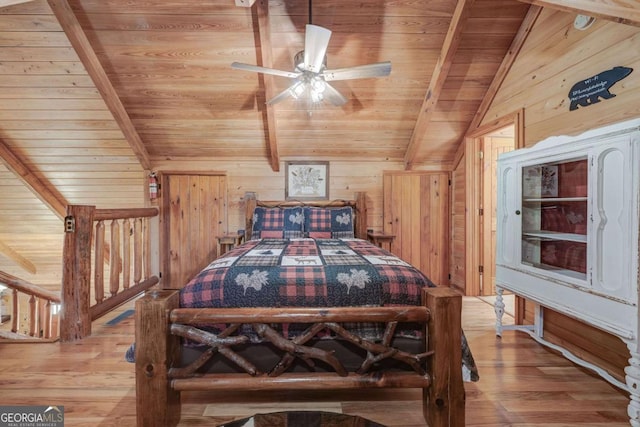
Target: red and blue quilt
(305,273)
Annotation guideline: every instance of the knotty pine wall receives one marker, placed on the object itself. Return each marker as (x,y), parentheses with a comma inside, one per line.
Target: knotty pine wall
(345,179)
(552,60)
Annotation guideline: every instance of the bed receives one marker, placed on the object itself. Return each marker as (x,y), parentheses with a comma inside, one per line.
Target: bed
(305,303)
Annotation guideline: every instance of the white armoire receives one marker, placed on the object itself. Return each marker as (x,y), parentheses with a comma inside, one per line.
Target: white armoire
(567,236)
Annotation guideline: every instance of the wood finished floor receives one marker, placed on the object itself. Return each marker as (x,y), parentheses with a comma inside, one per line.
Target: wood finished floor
(522,384)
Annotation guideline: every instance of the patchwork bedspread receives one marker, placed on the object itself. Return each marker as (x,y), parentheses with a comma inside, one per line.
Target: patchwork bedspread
(313,273)
(305,273)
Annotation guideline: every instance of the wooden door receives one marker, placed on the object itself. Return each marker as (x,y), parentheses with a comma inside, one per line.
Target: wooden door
(193,213)
(416,211)
(492,146)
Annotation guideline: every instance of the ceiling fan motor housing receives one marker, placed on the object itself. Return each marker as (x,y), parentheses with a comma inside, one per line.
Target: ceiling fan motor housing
(298,62)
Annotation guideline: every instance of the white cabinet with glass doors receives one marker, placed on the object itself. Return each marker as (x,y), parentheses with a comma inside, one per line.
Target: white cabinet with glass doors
(567,235)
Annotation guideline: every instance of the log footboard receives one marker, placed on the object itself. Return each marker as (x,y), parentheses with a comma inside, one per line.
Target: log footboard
(160,323)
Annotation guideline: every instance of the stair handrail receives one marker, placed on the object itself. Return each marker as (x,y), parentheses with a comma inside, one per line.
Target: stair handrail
(41,316)
(85,229)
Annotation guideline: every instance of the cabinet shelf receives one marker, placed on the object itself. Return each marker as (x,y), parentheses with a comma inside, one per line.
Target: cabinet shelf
(552,235)
(553,199)
(571,273)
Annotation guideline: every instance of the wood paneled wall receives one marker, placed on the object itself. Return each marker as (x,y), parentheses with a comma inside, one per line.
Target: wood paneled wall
(552,60)
(345,179)
(416,212)
(458,219)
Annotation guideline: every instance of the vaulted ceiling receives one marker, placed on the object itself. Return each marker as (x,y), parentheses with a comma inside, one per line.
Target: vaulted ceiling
(95,92)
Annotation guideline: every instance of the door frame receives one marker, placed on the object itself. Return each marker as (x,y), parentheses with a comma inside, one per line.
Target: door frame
(473,166)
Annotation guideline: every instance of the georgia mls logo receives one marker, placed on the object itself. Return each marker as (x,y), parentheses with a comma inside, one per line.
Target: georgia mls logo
(31,416)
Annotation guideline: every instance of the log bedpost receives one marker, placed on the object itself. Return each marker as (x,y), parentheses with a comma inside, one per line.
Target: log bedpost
(75,319)
(250,206)
(444,400)
(361,215)
(157,403)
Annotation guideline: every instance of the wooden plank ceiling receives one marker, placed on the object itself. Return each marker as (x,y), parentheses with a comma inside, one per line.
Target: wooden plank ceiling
(169,63)
(95,92)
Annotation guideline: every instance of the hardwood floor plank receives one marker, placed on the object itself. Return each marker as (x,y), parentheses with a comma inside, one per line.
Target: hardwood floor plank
(522,384)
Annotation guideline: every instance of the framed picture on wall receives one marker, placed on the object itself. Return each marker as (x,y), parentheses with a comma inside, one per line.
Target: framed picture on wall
(306,181)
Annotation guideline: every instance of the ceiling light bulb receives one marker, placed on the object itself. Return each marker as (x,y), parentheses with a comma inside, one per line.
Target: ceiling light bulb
(318,85)
(297,90)
(316,96)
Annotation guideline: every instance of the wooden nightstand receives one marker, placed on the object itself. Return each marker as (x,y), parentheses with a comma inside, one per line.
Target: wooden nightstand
(381,239)
(226,242)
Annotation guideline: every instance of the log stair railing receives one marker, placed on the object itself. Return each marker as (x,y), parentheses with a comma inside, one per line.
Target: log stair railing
(42,316)
(121,245)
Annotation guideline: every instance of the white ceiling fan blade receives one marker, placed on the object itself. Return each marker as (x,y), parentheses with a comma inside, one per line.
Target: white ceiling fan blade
(259,69)
(315,47)
(280,97)
(333,96)
(378,69)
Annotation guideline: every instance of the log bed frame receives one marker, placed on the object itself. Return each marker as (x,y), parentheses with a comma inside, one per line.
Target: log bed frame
(160,324)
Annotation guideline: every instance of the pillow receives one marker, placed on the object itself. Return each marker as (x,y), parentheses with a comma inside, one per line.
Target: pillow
(277,223)
(328,223)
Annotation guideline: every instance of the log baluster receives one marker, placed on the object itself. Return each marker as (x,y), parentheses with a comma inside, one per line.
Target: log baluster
(137,250)
(33,318)
(15,312)
(126,253)
(98,277)
(47,319)
(147,248)
(114,274)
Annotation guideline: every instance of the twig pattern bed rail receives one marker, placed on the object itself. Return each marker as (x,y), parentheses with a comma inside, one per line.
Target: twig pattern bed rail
(160,323)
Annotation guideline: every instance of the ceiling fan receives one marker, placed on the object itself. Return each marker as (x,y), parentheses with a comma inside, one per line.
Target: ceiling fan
(310,75)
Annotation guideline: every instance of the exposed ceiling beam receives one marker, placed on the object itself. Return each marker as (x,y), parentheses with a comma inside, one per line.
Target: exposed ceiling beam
(4,3)
(85,52)
(508,60)
(438,78)
(264,29)
(46,193)
(23,262)
(622,11)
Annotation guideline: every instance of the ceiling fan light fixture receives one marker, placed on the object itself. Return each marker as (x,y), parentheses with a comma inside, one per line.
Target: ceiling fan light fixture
(316,96)
(318,85)
(310,75)
(297,89)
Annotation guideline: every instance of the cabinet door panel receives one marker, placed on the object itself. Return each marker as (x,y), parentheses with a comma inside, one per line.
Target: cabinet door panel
(611,217)
(508,220)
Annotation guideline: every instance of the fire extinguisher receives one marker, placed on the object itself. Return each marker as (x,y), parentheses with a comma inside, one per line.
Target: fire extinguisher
(153,186)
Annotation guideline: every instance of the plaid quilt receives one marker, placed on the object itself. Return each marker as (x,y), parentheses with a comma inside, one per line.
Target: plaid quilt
(305,273)
(308,273)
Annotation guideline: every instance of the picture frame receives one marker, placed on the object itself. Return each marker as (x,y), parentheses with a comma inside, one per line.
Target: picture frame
(306,180)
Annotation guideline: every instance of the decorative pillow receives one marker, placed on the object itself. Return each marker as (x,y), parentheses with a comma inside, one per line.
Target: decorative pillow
(328,223)
(277,223)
